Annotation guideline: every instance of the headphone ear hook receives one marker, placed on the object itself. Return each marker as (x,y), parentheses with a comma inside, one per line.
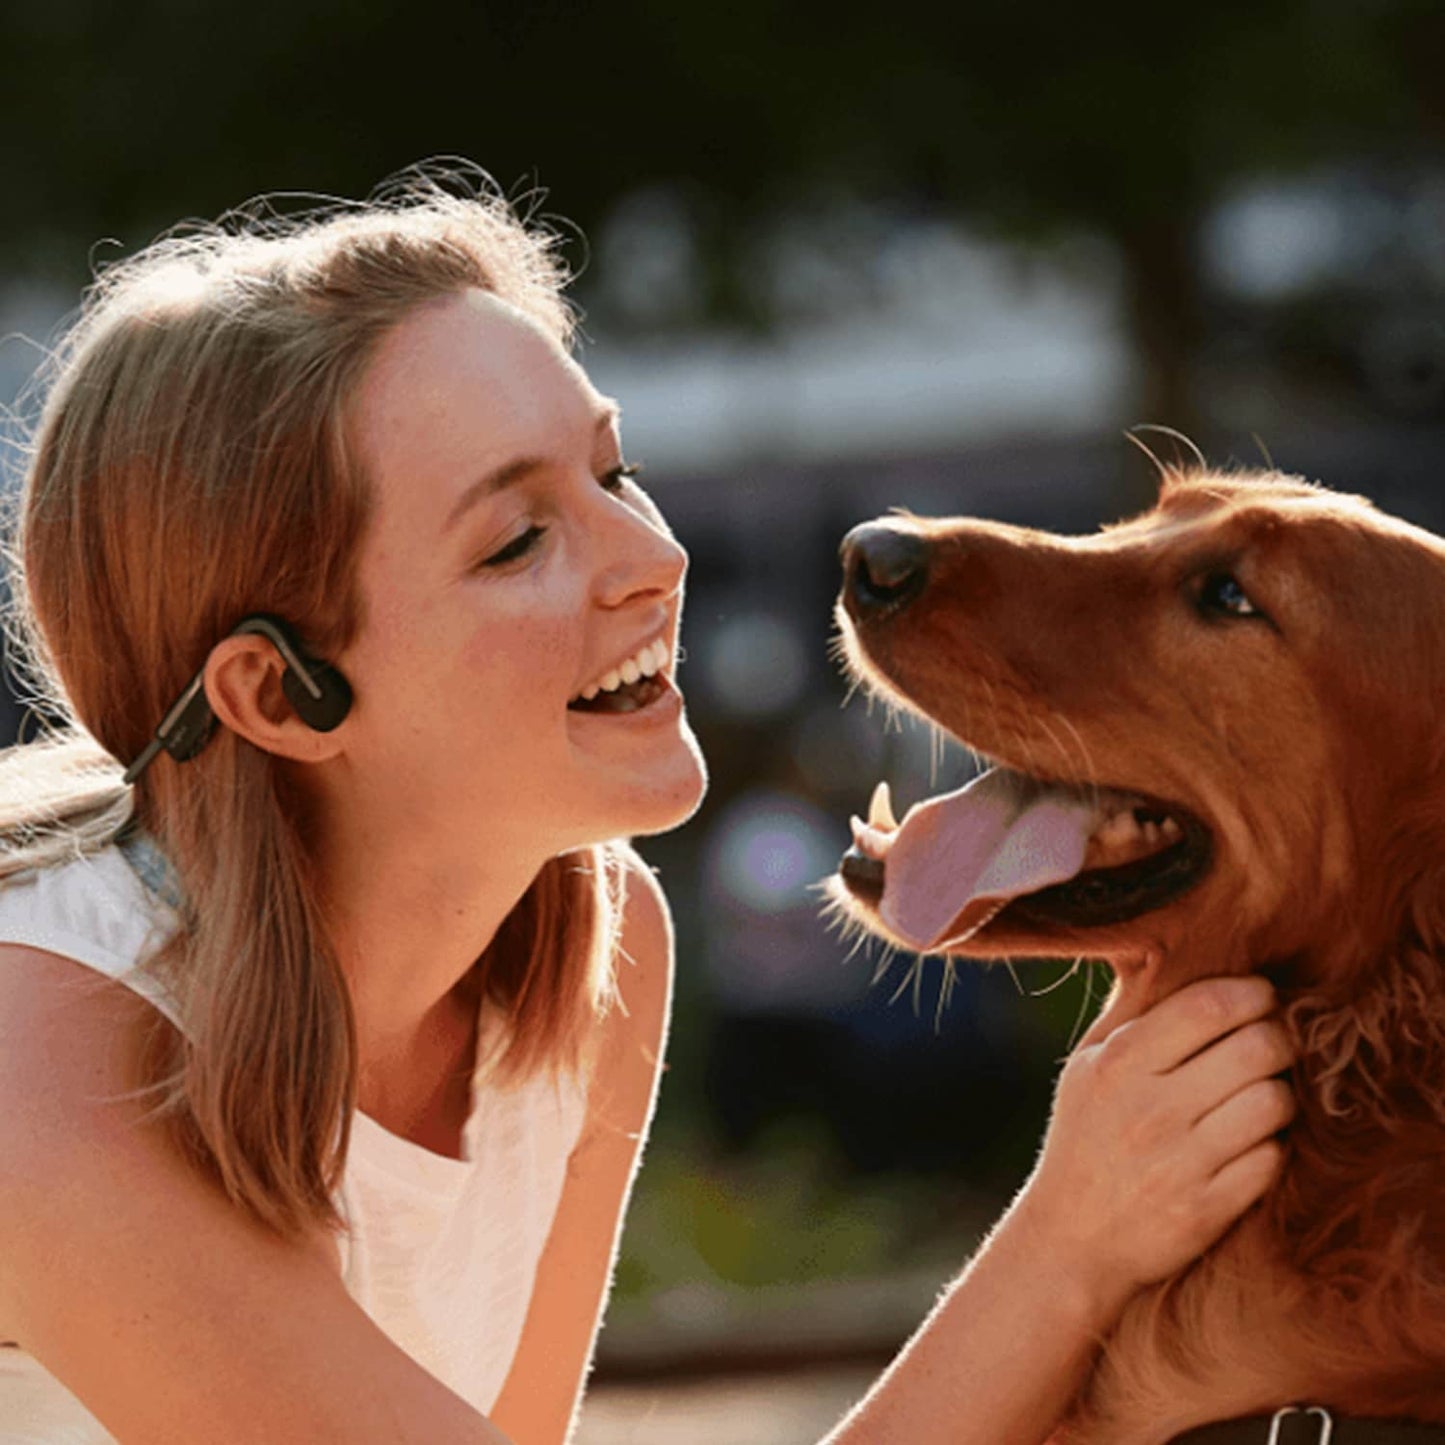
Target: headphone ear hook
(316,690)
(319,693)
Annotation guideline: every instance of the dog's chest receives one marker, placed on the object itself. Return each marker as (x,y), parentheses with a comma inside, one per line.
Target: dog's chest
(1217,1342)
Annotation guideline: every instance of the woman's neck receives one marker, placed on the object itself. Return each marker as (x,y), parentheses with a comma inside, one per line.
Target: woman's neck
(409,929)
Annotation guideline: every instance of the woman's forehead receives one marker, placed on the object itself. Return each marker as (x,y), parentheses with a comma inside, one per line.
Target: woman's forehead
(463,386)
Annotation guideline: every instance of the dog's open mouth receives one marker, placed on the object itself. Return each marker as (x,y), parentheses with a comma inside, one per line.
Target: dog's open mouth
(1047,853)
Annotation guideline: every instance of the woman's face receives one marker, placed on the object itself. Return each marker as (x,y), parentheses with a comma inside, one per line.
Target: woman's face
(510,567)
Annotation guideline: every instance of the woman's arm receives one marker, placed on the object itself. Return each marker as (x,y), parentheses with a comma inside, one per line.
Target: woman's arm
(539,1400)
(1154,1150)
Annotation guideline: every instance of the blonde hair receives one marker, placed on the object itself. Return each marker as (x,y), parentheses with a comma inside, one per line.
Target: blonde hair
(190,465)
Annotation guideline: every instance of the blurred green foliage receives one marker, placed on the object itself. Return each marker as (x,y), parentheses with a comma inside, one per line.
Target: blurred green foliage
(782,1215)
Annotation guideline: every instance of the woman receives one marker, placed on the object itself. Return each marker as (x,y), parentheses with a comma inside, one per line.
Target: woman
(331,1029)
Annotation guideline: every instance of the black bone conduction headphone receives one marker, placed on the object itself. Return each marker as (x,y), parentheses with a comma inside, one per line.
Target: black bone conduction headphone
(317,690)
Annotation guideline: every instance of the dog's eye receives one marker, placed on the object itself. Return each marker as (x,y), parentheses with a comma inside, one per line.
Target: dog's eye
(1221,592)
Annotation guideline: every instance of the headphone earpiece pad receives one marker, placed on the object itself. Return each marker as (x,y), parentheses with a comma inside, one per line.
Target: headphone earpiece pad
(319,713)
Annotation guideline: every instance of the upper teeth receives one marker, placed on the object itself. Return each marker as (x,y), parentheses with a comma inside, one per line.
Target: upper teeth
(650,661)
(1123,827)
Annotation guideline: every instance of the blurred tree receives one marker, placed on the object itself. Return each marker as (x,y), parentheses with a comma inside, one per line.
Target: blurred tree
(1033,119)
(1029,118)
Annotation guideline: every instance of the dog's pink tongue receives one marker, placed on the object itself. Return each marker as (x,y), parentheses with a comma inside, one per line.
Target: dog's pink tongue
(1000,836)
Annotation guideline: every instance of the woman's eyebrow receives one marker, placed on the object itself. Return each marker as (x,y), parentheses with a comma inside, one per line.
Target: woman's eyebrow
(516,470)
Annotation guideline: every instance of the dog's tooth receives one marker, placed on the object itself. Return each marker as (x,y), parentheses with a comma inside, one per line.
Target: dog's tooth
(880,808)
(870,841)
(611,682)
(1171,829)
(630,670)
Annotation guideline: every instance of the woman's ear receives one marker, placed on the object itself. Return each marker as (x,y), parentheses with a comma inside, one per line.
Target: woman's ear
(243,687)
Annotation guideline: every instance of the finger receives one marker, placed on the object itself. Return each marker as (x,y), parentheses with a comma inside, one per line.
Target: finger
(1242,1182)
(1194,1017)
(1253,1052)
(1244,1120)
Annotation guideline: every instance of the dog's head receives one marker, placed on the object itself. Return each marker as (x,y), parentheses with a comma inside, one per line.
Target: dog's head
(1204,722)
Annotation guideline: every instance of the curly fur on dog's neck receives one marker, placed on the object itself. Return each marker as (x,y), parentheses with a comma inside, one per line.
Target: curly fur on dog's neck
(1361,1207)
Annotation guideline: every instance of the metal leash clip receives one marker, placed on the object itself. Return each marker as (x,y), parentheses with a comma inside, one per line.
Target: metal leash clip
(1327,1423)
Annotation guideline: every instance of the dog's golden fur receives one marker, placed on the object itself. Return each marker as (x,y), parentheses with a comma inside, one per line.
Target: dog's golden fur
(1309,737)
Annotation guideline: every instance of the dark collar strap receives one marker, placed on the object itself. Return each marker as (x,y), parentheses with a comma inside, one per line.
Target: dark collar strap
(1312,1425)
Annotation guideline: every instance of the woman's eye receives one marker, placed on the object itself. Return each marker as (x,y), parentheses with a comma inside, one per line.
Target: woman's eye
(612,481)
(518,547)
(1221,592)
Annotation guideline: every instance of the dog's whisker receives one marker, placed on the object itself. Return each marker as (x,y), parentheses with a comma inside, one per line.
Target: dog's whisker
(1085,1002)
(937,748)
(991,696)
(1070,969)
(1026,746)
(1062,751)
(1166,473)
(1087,771)
(945,993)
(1178,437)
(908,978)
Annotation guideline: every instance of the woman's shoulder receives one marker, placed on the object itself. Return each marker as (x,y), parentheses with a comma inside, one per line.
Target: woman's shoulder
(134,1278)
(72,1050)
(95,910)
(70,1041)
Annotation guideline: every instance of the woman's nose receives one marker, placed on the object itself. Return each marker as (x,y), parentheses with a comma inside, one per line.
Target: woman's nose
(643,558)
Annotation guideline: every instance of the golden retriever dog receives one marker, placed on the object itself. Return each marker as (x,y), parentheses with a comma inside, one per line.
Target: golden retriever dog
(1217,733)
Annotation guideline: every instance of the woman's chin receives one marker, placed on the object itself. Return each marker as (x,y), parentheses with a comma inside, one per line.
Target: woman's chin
(658,804)
(670,809)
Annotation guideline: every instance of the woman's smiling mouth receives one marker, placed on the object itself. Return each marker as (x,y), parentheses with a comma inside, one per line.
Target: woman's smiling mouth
(634,683)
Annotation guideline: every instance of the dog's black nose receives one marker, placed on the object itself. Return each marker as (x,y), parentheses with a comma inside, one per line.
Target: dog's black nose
(884,568)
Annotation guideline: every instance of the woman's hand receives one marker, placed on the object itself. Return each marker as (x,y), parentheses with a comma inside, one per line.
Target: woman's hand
(1161,1137)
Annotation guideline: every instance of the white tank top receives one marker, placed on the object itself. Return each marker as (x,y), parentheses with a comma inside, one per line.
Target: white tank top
(442,1253)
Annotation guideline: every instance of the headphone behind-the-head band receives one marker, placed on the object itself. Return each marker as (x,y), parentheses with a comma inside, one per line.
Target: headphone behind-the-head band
(317,691)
